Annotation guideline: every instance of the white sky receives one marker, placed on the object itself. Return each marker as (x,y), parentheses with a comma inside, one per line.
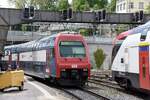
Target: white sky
(5,4)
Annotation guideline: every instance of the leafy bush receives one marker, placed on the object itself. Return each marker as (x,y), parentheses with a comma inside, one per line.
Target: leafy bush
(84,32)
(99,57)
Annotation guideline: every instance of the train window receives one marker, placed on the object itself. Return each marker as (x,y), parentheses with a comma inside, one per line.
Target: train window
(72,49)
(114,51)
(144,34)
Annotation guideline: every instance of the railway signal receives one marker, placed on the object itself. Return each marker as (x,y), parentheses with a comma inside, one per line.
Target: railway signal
(136,16)
(67,14)
(31,11)
(101,15)
(28,12)
(139,16)
(64,14)
(70,13)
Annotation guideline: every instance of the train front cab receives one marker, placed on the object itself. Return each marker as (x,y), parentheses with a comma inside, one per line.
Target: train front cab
(144,66)
(73,66)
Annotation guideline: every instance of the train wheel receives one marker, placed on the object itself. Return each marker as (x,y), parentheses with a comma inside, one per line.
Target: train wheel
(128,84)
(125,83)
(21,87)
(82,84)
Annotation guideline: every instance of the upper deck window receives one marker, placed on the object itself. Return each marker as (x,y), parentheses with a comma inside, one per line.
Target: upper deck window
(144,34)
(72,49)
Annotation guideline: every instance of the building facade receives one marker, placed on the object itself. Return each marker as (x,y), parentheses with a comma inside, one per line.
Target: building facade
(131,6)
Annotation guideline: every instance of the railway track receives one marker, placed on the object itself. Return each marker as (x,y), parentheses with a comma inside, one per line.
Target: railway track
(105,83)
(80,93)
(77,93)
(71,94)
(116,86)
(95,94)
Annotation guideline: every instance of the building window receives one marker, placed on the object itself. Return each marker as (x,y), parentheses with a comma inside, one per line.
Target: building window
(120,6)
(117,7)
(141,5)
(131,5)
(124,6)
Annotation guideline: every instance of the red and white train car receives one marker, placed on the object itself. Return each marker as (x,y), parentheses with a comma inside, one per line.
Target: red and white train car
(61,57)
(131,59)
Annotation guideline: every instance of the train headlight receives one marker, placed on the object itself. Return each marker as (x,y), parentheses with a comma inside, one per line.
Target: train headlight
(85,69)
(63,73)
(47,70)
(63,70)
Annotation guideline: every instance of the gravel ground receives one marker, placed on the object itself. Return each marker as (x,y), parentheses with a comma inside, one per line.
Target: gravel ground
(113,94)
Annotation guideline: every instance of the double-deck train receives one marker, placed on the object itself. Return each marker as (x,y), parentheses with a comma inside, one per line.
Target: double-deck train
(131,58)
(61,57)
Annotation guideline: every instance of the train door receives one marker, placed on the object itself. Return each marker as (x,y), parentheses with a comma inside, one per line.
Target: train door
(52,63)
(144,67)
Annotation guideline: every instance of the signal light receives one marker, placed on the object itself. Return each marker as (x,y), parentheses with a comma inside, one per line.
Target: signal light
(70,13)
(141,15)
(67,14)
(103,14)
(99,15)
(26,13)
(137,16)
(64,14)
(96,16)
(31,11)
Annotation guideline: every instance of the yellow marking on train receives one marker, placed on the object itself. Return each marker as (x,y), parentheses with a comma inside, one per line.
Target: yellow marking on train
(144,44)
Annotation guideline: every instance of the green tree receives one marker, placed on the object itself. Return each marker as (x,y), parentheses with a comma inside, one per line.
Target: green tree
(112,6)
(84,32)
(85,7)
(47,4)
(148,9)
(99,57)
(98,4)
(38,4)
(96,7)
(80,5)
(63,4)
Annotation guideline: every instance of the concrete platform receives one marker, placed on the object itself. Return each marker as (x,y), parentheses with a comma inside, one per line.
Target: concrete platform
(33,90)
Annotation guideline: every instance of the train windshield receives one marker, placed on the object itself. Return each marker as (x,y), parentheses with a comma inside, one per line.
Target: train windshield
(72,49)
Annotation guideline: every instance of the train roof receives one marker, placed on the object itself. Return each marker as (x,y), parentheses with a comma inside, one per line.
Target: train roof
(135,30)
(39,43)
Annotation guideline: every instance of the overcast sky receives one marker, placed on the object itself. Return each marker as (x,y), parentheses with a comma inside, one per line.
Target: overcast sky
(5,4)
